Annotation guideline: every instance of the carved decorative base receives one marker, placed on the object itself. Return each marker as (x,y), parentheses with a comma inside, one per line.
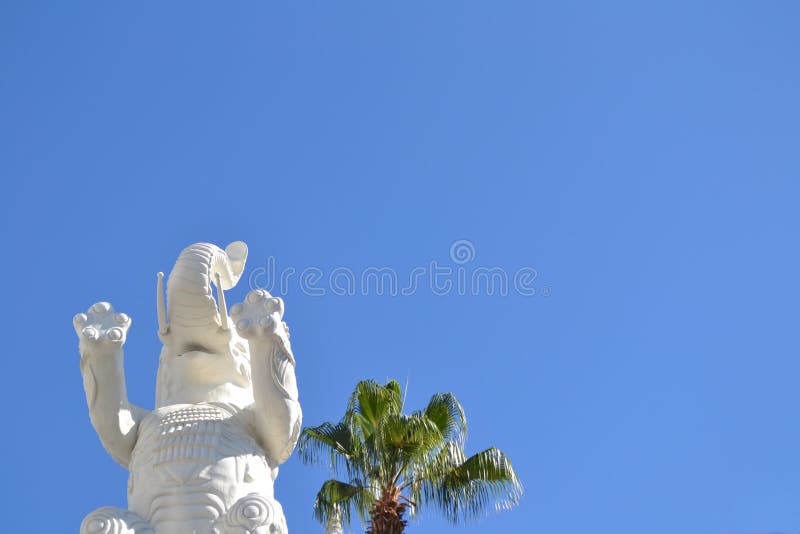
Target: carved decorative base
(252,514)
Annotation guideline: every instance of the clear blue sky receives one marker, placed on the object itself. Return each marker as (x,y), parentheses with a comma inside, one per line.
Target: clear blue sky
(643,159)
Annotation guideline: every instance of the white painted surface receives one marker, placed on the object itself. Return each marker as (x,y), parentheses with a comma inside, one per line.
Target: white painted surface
(227,411)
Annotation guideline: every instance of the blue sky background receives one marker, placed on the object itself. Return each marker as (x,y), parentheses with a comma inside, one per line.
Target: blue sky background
(643,159)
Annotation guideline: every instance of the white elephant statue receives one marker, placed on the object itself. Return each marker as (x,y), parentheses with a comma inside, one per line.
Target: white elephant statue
(227,413)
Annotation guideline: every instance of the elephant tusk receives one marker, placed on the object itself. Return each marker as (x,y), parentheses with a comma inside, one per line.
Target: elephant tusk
(161,307)
(223,308)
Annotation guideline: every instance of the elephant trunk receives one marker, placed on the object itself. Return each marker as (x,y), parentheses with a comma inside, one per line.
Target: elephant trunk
(190,301)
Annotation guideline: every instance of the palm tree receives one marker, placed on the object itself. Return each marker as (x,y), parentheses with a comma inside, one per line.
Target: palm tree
(395,463)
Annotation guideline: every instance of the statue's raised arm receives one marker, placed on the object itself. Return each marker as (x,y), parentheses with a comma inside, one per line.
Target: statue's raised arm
(102,333)
(277,412)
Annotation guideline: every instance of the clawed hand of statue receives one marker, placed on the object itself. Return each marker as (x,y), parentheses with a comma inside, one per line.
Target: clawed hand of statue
(260,317)
(102,327)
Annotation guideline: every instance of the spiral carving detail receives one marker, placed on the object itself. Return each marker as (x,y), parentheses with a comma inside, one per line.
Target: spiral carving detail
(110,520)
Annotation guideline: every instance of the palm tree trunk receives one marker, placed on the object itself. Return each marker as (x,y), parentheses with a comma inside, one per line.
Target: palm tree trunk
(386,516)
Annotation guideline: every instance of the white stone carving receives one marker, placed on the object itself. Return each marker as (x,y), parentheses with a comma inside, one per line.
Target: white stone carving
(227,413)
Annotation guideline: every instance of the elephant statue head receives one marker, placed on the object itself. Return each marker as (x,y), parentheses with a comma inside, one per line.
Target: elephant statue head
(203,358)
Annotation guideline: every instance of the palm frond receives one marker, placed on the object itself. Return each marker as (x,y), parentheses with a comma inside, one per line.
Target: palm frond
(412,435)
(447,458)
(466,490)
(426,474)
(407,441)
(446,412)
(336,499)
(369,403)
(336,441)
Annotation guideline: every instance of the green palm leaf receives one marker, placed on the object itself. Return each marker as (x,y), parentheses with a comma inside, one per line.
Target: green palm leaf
(467,489)
(398,463)
(446,412)
(335,500)
(370,402)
